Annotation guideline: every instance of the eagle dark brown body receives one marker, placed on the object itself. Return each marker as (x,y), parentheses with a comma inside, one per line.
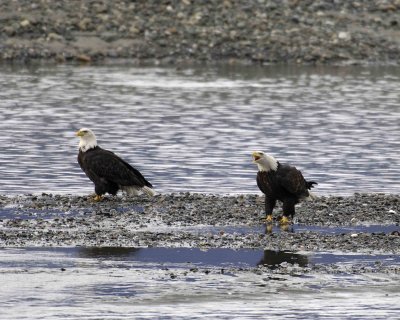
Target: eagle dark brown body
(287,185)
(280,182)
(107,171)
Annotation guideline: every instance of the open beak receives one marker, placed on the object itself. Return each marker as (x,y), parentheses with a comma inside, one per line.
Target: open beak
(256,156)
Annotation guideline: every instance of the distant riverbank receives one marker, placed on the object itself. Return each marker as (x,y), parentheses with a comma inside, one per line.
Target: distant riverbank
(171,32)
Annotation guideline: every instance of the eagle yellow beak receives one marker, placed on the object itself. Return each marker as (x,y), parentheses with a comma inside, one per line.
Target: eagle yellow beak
(79,133)
(256,156)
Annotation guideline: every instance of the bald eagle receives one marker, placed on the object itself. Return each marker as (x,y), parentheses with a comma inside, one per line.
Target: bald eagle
(280,182)
(108,172)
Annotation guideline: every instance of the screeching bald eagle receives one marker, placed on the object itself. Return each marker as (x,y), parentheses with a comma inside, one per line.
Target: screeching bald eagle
(280,182)
(108,172)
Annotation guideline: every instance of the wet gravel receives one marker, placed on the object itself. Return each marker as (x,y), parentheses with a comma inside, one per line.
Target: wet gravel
(181,220)
(261,31)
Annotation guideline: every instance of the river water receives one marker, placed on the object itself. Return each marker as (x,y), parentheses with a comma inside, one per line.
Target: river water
(193,129)
(189,283)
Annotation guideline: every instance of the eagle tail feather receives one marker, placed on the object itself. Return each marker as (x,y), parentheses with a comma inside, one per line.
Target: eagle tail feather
(149,191)
(311,197)
(310,184)
(135,190)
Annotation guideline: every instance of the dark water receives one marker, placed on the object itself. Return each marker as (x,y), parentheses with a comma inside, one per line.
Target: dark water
(186,283)
(296,228)
(194,129)
(190,257)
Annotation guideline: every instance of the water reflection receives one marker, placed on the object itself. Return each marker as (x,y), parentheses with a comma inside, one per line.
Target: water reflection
(292,228)
(108,252)
(173,257)
(193,129)
(298,228)
(215,257)
(182,258)
(273,259)
(271,228)
(44,283)
(187,256)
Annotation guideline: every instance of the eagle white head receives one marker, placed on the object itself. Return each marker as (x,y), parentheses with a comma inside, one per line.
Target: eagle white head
(264,161)
(87,139)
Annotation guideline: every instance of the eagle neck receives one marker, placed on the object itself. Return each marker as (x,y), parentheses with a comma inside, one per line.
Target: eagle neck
(87,144)
(268,164)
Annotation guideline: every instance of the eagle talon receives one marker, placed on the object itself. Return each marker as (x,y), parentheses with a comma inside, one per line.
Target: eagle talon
(97,198)
(269,218)
(284,221)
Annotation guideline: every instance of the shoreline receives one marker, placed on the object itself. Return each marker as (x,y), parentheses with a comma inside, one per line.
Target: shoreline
(172,32)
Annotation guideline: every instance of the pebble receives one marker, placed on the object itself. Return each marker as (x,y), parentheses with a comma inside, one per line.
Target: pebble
(260,32)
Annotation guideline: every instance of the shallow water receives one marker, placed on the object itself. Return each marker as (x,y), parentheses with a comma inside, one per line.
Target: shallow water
(266,229)
(119,283)
(193,129)
(153,258)
(11,212)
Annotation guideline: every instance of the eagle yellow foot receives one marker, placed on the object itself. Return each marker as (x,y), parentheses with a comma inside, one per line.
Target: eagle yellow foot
(269,218)
(284,221)
(97,198)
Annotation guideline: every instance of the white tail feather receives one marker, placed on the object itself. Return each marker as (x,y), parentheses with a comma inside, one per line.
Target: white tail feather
(148,191)
(130,190)
(134,191)
(311,196)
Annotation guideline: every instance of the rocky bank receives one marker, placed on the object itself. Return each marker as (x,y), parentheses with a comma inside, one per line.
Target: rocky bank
(176,31)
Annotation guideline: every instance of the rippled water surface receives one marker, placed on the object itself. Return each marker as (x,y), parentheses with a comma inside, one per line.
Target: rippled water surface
(193,129)
(185,283)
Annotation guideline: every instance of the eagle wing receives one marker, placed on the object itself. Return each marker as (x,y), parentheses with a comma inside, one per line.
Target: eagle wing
(263,183)
(292,180)
(107,165)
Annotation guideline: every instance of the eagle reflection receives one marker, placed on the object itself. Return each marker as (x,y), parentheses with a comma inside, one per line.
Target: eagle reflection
(107,252)
(272,259)
(270,228)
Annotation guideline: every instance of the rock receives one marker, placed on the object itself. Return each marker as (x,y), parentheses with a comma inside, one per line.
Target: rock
(83,58)
(54,36)
(344,36)
(25,23)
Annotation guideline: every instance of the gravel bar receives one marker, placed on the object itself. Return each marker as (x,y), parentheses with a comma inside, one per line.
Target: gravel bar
(263,31)
(183,220)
